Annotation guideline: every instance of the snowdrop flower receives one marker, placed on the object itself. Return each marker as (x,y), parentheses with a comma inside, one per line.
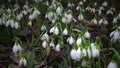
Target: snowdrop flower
(64,20)
(52,45)
(16,25)
(112,64)
(115,35)
(45,37)
(12,23)
(59,10)
(99,12)
(115,20)
(34,15)
(73,54)
(79,54)
(102,8)
(84,52)
(80,17)
(81,3)
(19,16)
(105,4)
(53,21)
(43,28)
(100,21)
(105,22)
(93,10)
(79,40)
(16,48)
(24,12)
(54,30)
(70,40)
(110,12)
(50,15)
(88,8)
(31,17)
(22,62)
(57,48)
(7,23)
(68,18)
(29,23)
(94,21)
(36,12)
(87,35)
(95,53)
(44,44)
(89,52)
(70,5)
(92,46)
(84,63)
(65,31)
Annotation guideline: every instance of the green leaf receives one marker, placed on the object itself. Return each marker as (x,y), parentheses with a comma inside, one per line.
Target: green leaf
(117,56)
(31,60)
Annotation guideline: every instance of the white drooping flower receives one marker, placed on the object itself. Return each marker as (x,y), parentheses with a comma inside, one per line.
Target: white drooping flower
(50,15)
(19,47)
(79,54)
(84,52)
(115,35)
(94,50)
(64,20)
(52,45)
(95,53)
(45,37)
(89,53)
(16,48)
(43,28)
(16,25)
(79,40)
(92,46)
(70,5)
(65,31)
(70,40)
(68,18)
(57,48)
(110,12)
(34,14)
(59,10)
(22,62)
(84,63)
(93,10)
(44,44)
(87,35)
(73,54)
(112,64)
(54,30)
(115,20)
(29,23)
(105,4)
(24,12)
(19,16)
(103,21)
(7,23)
(94,21)
(80,17)
(12,23)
